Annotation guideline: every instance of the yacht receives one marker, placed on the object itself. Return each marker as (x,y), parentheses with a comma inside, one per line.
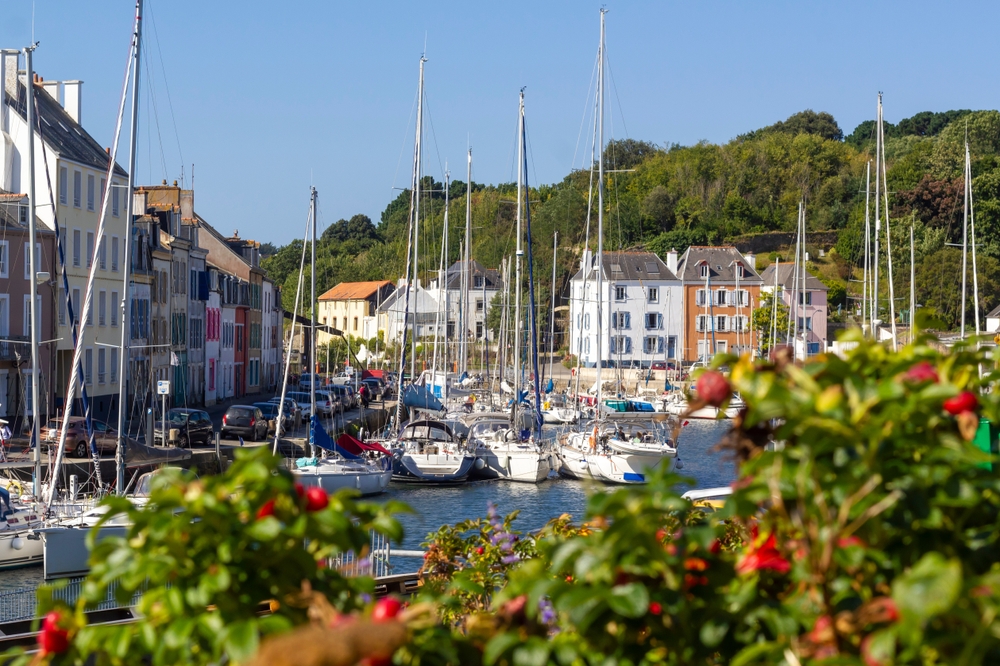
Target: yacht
(617,450)
(503,452)
(428,451)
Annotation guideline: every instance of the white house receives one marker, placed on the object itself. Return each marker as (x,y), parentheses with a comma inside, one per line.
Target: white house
(641,311)
(422,312)
(484,284)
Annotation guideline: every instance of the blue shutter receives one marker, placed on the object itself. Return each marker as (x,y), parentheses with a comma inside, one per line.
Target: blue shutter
(202,285)
(659,345)
(628,320)
(611,345)
(628,345)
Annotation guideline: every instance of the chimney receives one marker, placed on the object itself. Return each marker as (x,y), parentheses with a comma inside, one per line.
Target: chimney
(52,88)
(187,204)
(751,259)
(587,260)
(11,60)
(72,92)
(672,260)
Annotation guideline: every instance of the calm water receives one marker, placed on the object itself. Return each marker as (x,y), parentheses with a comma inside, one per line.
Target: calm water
(538,504)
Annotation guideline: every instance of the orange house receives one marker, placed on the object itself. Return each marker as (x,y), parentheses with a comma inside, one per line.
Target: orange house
(721,289)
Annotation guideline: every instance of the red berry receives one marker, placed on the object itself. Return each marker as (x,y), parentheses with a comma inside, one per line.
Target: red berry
(300,490)
(655,607)
(922,372)
(53,639)
(713,387)
(966,401)
(266,510)
(480,550)
(386,609)
(316,499)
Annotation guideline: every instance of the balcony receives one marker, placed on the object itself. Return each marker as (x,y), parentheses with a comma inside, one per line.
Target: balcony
(12,346)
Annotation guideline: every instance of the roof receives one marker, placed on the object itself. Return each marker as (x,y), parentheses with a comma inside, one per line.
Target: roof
(632,266)
(476,269)
(420,301)
(354,291)
(995,312)
(786,278)
(66,136)
(722,261)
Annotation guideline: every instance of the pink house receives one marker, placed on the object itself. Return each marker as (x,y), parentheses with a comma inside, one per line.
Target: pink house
(807,304)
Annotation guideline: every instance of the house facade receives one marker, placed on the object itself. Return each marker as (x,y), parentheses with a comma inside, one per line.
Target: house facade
(638,311)
(721,289)
(484,284)
(347,306)
(807,306)
(395,315)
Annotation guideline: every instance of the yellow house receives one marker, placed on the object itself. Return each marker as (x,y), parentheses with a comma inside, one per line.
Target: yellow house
(346,307)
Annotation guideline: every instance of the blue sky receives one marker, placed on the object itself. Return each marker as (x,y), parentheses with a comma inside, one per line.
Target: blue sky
(268,98)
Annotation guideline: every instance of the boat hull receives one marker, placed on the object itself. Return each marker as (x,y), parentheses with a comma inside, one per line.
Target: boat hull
(625,469)
(18,550)
(331,478)
(431,468)
(65,548)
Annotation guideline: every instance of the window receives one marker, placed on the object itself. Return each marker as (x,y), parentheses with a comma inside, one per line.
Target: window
(88,365)
(477,281)
(76,247)
(90,193)
(114,365)
(701,323)
(479,305)
(104,190)
(721,297)
(75,305)
(654,321)
(807,297)
(355,323)
(672,346)
(102,308)
(586,321)
(114,199)
(808,324)
(335,322)
(4,258)
(38,260)
(114,253)
(61,296)
(114,308)
(63,185)
(620,344)
(479,330)
(652,344)
(27,314)
(4,323)
(720,323)
(700,297)
(744,297)
(102,253)
(90,248)
(211,374)
(739,323)
(620,293)
(721,346)
(653,295)
(90,314)
(101,361)
(704,270)
(740,271)
(77,188)
(621,320)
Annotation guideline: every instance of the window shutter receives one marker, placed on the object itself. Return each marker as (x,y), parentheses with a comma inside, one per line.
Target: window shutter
(659,345)
(611,345)
(628,320)
(659,325)
(628,345)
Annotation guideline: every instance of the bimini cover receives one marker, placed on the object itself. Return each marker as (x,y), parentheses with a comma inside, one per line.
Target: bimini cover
(420,397)
(357,447)
(140,455)
(321,438)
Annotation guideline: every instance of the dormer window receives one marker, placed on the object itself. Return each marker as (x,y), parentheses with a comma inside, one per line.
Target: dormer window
(739,271)
(704,270)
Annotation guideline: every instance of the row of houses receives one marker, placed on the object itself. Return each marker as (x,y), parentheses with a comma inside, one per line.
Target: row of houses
(685,309)
(203,314)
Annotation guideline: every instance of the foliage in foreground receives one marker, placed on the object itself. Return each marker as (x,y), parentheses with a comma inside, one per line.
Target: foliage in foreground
(870,536)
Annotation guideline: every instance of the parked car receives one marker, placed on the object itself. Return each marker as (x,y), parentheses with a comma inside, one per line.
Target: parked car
(245,421)
(195,426)
(292,409)
(343,394)
(325,404)
(375,387)
(105,438)
(270,412)
(306,380)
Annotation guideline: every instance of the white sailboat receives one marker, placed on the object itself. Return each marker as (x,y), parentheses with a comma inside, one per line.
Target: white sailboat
(602,451)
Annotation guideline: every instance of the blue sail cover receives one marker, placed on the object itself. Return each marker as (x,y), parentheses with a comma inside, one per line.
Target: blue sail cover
(319,437)
(550,386)
(419,396)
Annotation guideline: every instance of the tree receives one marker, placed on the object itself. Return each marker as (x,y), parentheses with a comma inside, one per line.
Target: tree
(762,321)
(821,124)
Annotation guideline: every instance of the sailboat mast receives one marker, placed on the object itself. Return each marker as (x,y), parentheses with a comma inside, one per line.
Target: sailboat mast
(467,269)
(600,212)
(972,225)
(517,263)
(33,269)
(888,235)
(312,332)
(867,271)
(878,213)
(416,217)
(965,238)
(913,289)
(552,300)
(126,305)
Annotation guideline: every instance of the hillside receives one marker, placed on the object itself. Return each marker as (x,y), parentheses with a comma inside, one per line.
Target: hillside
(674,196)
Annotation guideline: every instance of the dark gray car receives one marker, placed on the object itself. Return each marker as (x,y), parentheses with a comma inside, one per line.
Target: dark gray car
(245,421)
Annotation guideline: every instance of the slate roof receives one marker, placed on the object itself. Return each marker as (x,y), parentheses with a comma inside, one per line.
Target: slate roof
(64,134)
(632,266)
(354,291)
(476,269)
(787,280)
(420,301)
(994,313)
(721,261)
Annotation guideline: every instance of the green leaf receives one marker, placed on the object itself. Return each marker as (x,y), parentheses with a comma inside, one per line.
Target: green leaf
(753,653)
(930,588)
(535,652)
(264,529)
(712,632)
(630,600)
(241,639)
(498,646)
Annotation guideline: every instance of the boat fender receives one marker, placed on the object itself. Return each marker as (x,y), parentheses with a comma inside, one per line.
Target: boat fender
(17,543)
(480,463)
(679,464)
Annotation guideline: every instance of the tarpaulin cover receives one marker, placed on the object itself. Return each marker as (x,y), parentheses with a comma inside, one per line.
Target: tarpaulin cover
(320,437)
(419,396)
(356,446)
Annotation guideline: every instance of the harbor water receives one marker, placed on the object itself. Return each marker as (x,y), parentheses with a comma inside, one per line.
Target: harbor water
(537,504)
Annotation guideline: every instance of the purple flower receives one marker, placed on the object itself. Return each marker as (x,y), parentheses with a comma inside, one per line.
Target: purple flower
(547,614)
(366,598)
(510,559)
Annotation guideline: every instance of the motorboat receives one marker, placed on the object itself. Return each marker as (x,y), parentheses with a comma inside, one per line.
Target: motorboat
(347,463)
(19,545)
(504,453)
(676,404)
(427,451)
(618,451)
(557,410)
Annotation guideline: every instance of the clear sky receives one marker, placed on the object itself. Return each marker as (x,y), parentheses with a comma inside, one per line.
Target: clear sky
(270,97)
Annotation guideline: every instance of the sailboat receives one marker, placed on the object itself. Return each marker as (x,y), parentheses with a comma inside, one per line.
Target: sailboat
(611,449)
(347,462)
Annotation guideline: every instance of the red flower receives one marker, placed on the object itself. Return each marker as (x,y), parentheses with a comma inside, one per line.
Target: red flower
(716,547)
(882,609)
(386,609)
(266,510)
(921,372)
(316,499)
(822,631)
(655,607)
(690,580)
(695,564)
(53,639)
(966,401)
(866,653)
(763,556)
(713,387)
(850,541)
(480,550)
